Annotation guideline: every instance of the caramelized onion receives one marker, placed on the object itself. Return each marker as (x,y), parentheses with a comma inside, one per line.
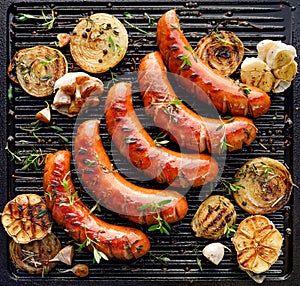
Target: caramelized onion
(223,51)
(266,186)
(34,257)
(36,69)
(98,42)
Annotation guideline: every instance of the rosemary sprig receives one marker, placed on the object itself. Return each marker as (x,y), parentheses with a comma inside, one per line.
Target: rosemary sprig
(230,186)
(13,155)
(98,255)
(34,160)
(162,225)
(48,20)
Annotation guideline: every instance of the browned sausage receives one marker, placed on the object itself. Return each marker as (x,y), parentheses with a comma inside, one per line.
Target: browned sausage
(133,142)
(69,212)
(188,129)
(115,192)
(224,93)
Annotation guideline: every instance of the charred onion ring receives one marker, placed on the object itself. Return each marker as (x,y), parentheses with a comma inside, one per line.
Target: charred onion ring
(223,51)
(36,69)
(98,42)
(266,186)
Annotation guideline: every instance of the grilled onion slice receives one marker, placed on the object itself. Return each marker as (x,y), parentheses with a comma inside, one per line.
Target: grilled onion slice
(223,51)
(25,218)
(36,69)
(212,216)
(267,186)
(257,243)
(98,42)
(34,257)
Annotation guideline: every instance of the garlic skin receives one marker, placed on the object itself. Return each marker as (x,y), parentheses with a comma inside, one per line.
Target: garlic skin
(65,255)
(214,252)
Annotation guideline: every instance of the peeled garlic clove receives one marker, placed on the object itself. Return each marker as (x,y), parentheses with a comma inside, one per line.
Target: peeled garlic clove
(65,255)
(44,114)
(281,85)
(214,252)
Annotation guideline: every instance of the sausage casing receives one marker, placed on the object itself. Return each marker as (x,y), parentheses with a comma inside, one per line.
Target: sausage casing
(69,212)
(133,141)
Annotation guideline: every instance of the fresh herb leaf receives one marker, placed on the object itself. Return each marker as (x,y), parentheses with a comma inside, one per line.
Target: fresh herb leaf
(231,187)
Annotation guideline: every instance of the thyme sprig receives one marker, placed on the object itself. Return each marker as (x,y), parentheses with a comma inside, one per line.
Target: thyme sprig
(224,145)
(48,20)
(230,186)
(163,258)
(160,139)
(196,252)
(98,255)
(71,195)
(162,225)
(34,160)
(169,107)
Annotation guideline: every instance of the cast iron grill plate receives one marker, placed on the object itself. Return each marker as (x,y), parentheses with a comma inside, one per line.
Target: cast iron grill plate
(269,19)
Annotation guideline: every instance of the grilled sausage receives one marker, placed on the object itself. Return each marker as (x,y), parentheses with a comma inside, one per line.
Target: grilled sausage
(69,212)
(133,141)
(189,129)
(208,86)
(113,190)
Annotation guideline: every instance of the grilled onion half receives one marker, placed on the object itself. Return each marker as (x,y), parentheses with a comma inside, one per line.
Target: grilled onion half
(257,243)
(36,69)
(34,257)
(98,42)
(266,186)
(223,51)
(212,216)
(25,218)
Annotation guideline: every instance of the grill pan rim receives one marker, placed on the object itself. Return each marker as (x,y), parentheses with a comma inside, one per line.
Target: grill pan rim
(291,279)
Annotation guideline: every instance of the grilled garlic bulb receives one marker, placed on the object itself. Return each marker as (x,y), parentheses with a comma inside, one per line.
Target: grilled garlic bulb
(75,90)
(257,243)
(266,186)
(223,51)
(273,69)
(212,216)
(25,218)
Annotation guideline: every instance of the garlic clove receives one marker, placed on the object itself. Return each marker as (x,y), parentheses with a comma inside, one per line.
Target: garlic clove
(44,115)
(214,252)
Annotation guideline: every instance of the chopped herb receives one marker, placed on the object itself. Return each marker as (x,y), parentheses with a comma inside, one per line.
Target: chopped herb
(128,15)
(46,77)
(42,213)
(185,61)
(174,26)
(192,53)
(111,44)
(229,229)
(9,94)
(137,28)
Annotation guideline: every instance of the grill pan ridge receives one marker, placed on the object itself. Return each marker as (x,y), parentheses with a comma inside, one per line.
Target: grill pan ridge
(276,20)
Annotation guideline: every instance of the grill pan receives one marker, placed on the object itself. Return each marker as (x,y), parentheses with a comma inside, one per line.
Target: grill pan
(278,138)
